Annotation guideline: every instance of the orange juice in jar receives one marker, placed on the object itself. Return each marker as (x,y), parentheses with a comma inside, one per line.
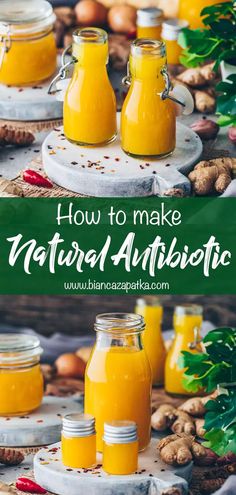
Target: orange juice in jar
(118,376)
(170,33)
(149,21)
(21,380)
(90,103)
(187,325)
(148,119)
(191,11)
(27,44)
(152,311)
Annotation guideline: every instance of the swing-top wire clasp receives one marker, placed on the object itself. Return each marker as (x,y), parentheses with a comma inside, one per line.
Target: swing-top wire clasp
(62,72)
(168,88)
(197,341)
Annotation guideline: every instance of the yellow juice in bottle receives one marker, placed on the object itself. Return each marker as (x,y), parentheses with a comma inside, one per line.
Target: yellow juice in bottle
(152,312)
(149,22)
(170,33)
(187,325)
(118,380)
(90,103)
(148,122)
(190,11)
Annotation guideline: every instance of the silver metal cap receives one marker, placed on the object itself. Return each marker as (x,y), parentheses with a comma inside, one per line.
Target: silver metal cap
(120,432)
(150,16)
(78,425)
(172,27)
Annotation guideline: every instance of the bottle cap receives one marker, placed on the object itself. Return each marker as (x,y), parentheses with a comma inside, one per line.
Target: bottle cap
(149,17)
(120,432)
(171,29)
(188,309)
(78,425)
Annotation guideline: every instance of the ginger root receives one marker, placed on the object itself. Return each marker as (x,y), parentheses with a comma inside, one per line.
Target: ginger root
(205,102)
(195,406)
(178,450)
(11,457)
(15,137)
(9,189)
(6,489)
(167,416)
(197,77)
(212,176)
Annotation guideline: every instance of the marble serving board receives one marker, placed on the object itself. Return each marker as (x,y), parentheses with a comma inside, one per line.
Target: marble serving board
(31,103)
(108,172)
(41,427)
(152,477)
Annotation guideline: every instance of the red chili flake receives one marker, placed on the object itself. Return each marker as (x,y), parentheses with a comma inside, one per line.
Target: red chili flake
(36,179)
(20,90)
(167,164)
(154,172)
(117,159)
(54,449)
(37,87)
(8,419)
(147,164)
(69,469)
(29,486)
(74,163)
(57,130)
(106,157)
(142,167)
(39,420)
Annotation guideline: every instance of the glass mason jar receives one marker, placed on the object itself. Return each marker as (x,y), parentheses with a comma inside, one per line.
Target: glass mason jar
(148,119)
(190,11)
(21,380)
(118,376)
(187,325)
(90,103)
(28,52)
(152,311)
(149,21)
(170,33)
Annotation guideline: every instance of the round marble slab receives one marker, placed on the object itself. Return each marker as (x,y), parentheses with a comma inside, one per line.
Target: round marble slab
(42,427)
(109,172)
(29,103)
(152,476)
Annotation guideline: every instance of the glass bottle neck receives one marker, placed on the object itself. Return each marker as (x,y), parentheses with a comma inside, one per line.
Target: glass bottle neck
(106,340)
(187,325)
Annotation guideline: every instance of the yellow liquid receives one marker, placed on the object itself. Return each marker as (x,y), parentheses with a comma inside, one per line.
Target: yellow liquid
(120,458)
(78,452)
(21,391)
(148,124)
(29,61)
(151,32)
(173,51)
(90,103)
(118,387)
(184,328)
(153,341)
(190,11)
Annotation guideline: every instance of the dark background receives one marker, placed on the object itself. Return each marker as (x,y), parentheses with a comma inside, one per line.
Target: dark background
(74,315)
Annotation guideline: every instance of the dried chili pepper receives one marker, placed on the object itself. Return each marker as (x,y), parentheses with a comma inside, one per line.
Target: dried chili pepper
(36,179)
(29,486)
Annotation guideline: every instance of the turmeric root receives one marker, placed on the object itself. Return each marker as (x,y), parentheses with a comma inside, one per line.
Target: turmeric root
(212,176)
(167,416)
(180,449)
(17,137)
(11,457)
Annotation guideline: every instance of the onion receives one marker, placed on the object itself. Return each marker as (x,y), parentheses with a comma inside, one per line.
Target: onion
(90,13)
(122,18)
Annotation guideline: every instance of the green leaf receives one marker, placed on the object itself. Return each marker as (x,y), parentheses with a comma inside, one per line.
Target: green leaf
(220,423)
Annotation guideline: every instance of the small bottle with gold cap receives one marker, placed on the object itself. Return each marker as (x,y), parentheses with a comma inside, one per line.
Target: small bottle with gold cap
(120,452)
(149,21)
(78,441)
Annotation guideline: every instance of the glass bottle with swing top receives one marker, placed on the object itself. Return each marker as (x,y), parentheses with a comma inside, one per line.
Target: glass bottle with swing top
(187,325)
(148,117)
(90,103)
